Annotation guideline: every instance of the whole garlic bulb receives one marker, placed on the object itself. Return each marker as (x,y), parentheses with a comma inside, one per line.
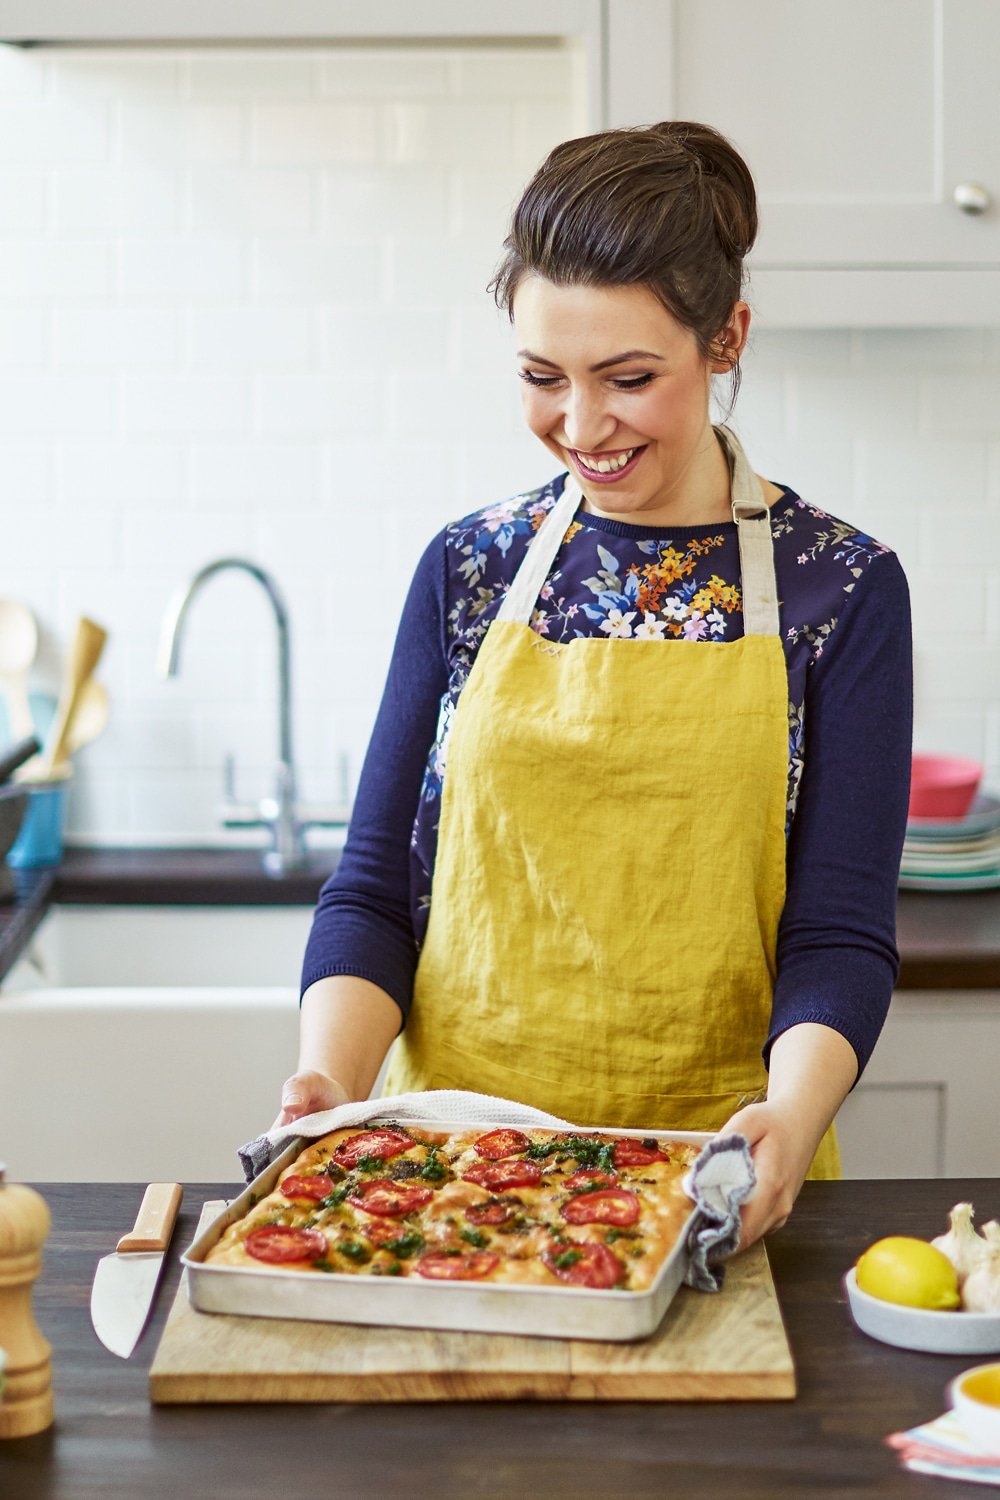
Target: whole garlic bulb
(962,1245)
(991,1233)
(981,1290)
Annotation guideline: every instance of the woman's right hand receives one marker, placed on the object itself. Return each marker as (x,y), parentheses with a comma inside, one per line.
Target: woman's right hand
(306,1093)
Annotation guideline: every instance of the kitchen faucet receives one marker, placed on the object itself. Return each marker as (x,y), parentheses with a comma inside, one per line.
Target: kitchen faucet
(278,813)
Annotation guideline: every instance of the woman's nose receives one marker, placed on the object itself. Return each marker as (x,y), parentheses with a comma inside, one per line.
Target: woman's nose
(587,424)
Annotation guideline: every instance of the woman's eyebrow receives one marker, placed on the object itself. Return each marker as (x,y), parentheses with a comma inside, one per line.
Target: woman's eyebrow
(616,359)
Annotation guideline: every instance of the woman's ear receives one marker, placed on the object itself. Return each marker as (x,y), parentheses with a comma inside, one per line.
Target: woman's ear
(732,339)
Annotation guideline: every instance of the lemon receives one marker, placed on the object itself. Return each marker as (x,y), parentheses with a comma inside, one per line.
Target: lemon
(909,1271)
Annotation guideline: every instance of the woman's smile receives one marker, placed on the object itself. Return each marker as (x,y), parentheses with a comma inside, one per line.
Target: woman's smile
(618,391)
(607,467)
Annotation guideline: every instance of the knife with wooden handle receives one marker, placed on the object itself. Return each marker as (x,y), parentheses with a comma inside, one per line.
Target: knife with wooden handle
(125,1283)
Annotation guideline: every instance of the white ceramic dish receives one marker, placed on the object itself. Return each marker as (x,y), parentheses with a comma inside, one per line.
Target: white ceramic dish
(917,1328)
(980,1419)
(470,1307)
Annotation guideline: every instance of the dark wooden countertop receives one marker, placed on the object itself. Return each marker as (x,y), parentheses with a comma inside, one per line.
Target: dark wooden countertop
(109,1443)
(945,942)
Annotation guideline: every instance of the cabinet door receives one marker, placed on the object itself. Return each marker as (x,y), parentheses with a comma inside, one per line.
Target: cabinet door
(926,1105)
(858,118)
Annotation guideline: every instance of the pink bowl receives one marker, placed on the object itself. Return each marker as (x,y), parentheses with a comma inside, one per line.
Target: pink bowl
(943,786)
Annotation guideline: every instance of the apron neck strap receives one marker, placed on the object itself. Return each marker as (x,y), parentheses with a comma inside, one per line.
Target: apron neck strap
(753,529)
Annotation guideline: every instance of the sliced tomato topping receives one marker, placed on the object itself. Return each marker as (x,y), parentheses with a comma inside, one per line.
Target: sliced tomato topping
(278,1243)
(493,1211)
(500,1143)
(457,1267)
(591,1177)
(378,1232)
(588,1264)
(498,1175)
(382,1144)
(388,1199)
(605,1206)
(632,1153)
(316,1187)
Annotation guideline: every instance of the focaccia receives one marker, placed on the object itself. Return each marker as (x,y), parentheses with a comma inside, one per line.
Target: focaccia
(532,1207)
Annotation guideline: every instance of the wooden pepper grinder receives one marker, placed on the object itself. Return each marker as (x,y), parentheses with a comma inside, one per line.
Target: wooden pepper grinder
(26,1402)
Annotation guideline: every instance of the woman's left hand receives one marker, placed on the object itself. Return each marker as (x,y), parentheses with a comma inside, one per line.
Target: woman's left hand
(781,1159)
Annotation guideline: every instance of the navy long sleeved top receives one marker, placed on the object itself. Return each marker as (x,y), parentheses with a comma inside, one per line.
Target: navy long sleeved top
(845,628)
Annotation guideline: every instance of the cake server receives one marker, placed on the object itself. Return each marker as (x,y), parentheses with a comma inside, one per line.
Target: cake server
(125,1283)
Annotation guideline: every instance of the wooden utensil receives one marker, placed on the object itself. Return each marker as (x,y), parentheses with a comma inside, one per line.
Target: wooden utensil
(88,644)
(89,721)
(18,645)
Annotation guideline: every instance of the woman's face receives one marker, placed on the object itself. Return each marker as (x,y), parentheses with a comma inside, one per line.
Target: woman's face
(618,391)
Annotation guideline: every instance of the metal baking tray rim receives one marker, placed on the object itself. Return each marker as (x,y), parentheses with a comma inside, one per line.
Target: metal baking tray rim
(343,1297)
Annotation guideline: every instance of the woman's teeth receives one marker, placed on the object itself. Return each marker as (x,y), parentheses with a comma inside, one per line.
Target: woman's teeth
(606,465)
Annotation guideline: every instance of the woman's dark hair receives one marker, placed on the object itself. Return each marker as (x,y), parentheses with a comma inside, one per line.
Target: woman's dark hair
(670,207)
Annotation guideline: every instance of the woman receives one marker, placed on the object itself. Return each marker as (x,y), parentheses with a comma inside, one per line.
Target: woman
(626,840)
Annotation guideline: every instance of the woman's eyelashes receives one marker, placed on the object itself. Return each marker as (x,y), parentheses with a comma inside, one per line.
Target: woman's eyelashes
(620,383)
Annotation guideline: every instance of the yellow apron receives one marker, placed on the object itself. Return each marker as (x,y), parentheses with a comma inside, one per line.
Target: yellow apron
(610,870)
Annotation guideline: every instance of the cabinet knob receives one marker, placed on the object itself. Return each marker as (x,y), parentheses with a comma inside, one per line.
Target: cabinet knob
(972,198)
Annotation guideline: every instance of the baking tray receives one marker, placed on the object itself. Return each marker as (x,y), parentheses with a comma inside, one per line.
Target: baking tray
(460,1306)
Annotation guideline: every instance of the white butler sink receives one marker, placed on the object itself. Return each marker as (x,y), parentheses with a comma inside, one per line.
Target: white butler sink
(147,1043)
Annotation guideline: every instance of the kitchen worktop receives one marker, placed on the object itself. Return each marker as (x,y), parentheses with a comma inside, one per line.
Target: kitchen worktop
(829,1440)
(945,942)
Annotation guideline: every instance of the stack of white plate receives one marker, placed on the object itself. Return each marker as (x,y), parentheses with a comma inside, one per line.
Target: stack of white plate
(954,854)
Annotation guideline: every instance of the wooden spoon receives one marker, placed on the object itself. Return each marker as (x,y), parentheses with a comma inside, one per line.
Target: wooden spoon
(89,720)
(18,645)
(88,644)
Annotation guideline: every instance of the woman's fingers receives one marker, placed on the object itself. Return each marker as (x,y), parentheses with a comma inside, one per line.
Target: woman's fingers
(305,1094)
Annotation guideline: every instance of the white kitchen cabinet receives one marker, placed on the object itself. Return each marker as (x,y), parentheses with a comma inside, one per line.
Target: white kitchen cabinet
(927,1103)
(860,119)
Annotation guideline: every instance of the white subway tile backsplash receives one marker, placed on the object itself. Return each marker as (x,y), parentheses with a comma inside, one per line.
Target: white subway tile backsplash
(945,473)
(313,133)
(254,473)
(27,476)
(243,311)
(197,134)
(23,199)
(51,404)
(25,341)
(246,338)
(502,73)
(407,200)
(178,405)
(179,270)
(112,337)
(50,271)
(448,133)
(119,472)
(318,404)
(290,73)
(168,541)
(959,406)
(49,134)
(384,340)
(144,200)
(250,200)
(387,72)
(314,272)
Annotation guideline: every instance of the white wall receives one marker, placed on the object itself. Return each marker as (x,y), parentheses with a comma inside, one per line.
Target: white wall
(242,310)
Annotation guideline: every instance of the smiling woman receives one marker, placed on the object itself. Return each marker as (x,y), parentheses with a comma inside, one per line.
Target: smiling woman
(590,827)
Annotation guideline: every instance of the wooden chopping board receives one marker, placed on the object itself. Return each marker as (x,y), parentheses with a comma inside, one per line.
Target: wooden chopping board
(728,1347)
